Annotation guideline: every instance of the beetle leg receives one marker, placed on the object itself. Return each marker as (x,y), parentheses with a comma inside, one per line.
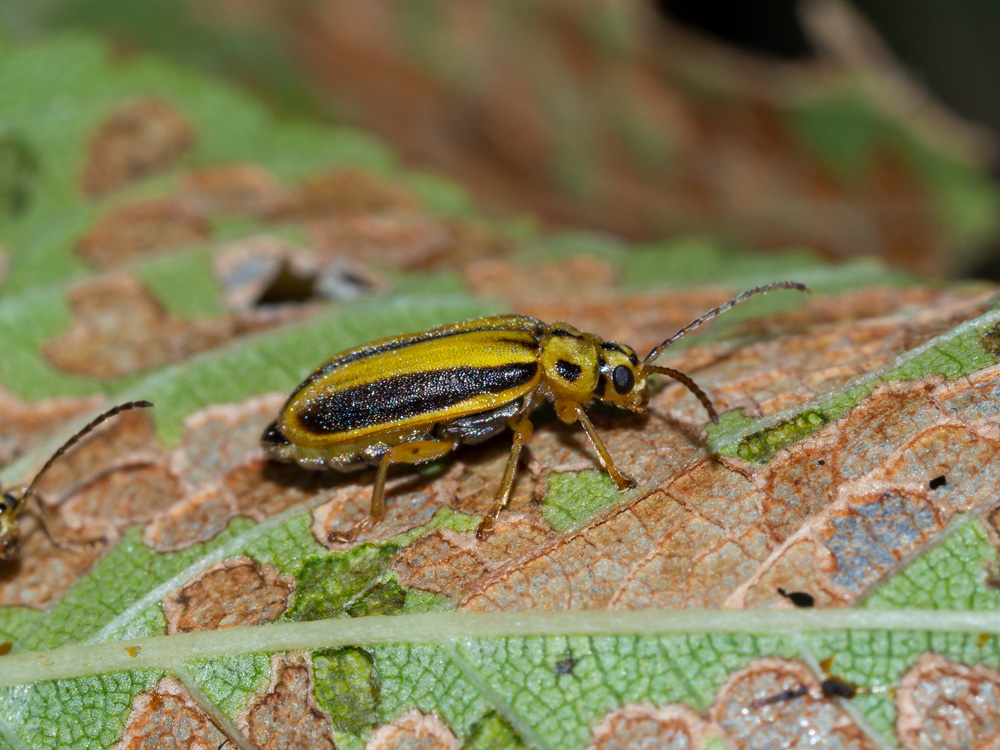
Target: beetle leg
(414,452)
(570,411)
(522,434)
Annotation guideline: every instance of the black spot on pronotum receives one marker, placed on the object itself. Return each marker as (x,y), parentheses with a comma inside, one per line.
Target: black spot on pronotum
(937,482)
(568,370)
(622,379)
(798,598)
(821,462)
(602,384)
(563,334)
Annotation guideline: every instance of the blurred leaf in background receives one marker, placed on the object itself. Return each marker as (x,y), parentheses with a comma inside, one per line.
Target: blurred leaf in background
(164,236)
(608,116)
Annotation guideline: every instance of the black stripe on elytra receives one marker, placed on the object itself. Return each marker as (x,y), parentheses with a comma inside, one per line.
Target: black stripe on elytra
(602,378)
(568,370)
(533,327)
(400,397)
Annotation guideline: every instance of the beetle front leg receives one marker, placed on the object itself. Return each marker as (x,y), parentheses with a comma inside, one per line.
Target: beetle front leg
(569,412)
(522,434)
(415,452)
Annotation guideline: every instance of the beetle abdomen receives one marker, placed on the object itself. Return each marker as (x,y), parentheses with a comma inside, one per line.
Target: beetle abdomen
(408,385)
(398,399)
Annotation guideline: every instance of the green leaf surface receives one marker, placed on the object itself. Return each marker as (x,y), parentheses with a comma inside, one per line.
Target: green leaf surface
(588,607)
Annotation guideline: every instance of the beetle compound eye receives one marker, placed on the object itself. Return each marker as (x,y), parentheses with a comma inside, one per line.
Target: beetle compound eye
(623,379)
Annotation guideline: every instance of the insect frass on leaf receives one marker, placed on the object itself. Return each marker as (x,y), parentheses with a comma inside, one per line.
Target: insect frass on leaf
(415,397)
(14,502)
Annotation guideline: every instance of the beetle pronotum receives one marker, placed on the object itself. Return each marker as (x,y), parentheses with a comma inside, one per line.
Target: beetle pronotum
(413,398)
(15,502)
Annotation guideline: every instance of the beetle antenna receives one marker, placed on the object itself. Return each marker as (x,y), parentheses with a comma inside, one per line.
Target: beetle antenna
(690,385)
(715,312)
(73,440)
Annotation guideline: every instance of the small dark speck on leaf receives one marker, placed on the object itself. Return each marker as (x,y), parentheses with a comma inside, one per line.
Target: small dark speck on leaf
(834,687)
(564,666)
(5,648)
(798,598)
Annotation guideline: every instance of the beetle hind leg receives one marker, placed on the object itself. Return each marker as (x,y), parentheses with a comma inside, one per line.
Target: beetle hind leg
(522,434)
(414,452)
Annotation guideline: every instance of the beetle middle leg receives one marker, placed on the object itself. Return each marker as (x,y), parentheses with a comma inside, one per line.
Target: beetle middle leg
(522,434)
(569,412)
(414,452)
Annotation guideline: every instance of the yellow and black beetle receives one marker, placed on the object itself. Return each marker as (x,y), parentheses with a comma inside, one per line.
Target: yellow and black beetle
(413,398)
(14,502)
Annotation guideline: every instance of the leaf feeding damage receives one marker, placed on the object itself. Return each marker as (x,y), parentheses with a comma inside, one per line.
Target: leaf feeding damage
(14,502)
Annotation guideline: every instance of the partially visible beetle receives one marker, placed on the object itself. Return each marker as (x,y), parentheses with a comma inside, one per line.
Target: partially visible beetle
(14,502)
(415,397)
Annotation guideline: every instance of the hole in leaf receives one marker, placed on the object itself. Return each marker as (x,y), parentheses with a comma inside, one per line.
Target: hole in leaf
(288,287)
(798,598)
(937,482)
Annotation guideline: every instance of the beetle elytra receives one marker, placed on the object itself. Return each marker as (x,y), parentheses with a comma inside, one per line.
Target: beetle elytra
(14,502)
(413,398)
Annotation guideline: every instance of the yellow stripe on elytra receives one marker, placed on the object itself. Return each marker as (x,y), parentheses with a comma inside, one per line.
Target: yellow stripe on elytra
(508,343)
(474,349)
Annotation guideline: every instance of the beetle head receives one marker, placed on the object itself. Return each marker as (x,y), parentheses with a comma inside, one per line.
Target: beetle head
(10,533)
(621,379)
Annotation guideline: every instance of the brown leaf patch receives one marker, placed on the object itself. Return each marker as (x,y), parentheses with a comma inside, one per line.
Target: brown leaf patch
(286,716)
(634,726)
(531,286)
(783,723)
(220,438)
(799,486)
(111,457)
(263,488)
(45,572)
(942,703)
(28,425)
(119,328)
(138,139)
(135,229)
(969,463)
(413,730)
(129,436)
(453,564)
(198,517)
(405,510)
(873,532)
(399,241)
(166,718)
(119,497)
(229,189)
(234,592)
(339,193)
(873,430)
